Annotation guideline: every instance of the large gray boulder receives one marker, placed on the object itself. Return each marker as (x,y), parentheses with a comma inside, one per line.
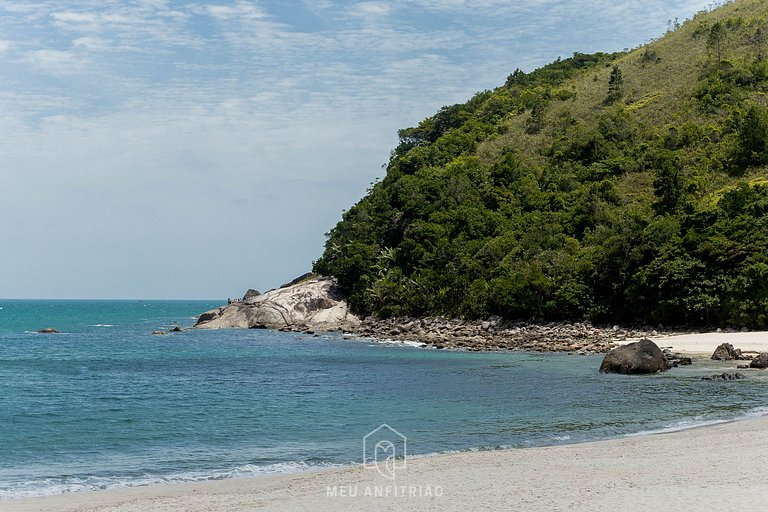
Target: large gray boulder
(761,361)
(642,356)
(726,352)
(313,304)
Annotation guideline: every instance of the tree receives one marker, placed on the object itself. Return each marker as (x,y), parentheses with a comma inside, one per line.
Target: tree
(716,39)
(752,134)
(759,42)
(668,187)
(535,122)
(615,85)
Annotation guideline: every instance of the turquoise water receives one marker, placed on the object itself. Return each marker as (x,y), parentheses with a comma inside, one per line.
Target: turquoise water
(106,404)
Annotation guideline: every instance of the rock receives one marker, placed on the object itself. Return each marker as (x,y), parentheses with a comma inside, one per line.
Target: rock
(761,361)
(159,333)
(742,367)
(250,294)
(640,357)
(725,376)
(726,352)
(313,303)
(675,359)
(48,330)
(301,279)
(209,315)
(176,328)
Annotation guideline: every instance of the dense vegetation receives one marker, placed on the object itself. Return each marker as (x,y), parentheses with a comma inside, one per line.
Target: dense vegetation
(614,187)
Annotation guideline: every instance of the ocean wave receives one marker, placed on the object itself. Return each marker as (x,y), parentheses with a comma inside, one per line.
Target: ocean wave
(700,421)
(376,341)
(102,325)
(57,486)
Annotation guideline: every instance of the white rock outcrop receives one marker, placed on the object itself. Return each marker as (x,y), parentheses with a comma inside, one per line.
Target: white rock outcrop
(314,304)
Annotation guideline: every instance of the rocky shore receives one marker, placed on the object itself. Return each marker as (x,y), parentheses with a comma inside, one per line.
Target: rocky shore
(313,304)
(495,334)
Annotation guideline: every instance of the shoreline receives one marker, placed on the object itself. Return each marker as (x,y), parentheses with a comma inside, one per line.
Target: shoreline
(577,338)
(682,470)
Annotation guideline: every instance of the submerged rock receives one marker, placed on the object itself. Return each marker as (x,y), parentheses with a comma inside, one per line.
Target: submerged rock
(176,328)
(725,376)
(314,304)
(48,330)
(640,357)
(158,333)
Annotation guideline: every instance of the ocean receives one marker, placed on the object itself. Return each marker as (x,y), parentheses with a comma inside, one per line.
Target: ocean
(107,404)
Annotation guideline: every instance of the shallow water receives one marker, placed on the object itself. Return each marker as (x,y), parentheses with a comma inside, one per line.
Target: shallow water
(106,404)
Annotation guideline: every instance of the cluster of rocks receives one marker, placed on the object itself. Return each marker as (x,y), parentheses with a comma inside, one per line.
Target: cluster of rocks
(675,359)
(176,328)
(725,376)
(645,356)
(495,334)
(726,352)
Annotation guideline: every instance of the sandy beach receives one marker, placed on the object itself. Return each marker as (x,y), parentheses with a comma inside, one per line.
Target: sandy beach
(706,343)
(721,467)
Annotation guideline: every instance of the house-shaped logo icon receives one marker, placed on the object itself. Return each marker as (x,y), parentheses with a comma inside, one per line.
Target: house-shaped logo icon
(385,449)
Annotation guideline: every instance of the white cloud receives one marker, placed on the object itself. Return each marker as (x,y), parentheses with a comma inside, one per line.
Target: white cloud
(238,11)
(376,9)
(55,61)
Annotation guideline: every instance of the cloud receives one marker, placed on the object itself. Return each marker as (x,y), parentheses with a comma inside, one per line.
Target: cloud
(55,61)
(371,9)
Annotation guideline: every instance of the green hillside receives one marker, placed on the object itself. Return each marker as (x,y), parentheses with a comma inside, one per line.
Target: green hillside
(622,187)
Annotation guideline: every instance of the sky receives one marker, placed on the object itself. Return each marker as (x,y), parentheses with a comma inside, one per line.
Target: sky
(169,149)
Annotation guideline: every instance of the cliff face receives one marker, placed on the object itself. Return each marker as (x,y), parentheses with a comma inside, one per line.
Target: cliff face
(315,304)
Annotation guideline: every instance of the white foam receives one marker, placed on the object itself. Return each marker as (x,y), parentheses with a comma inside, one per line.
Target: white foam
(386,341)
(53,486)
(699,422)
(102,325)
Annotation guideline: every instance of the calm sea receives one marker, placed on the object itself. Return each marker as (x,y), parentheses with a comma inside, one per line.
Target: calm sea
(107,404)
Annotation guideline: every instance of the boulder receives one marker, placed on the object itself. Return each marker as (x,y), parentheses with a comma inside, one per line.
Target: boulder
(313,304)
(761,361)
(250,294)
(176,328)
(48,330)
(725,376)
(640,357)
(301,279)
(726,352)
(209,315)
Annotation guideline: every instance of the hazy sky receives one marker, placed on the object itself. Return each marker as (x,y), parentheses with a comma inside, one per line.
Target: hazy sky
(170,149)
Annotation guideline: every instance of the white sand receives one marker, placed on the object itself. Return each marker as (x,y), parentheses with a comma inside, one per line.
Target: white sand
(723,467)
(706,343)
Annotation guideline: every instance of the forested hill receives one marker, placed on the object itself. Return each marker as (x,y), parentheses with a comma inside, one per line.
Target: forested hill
(613,187)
